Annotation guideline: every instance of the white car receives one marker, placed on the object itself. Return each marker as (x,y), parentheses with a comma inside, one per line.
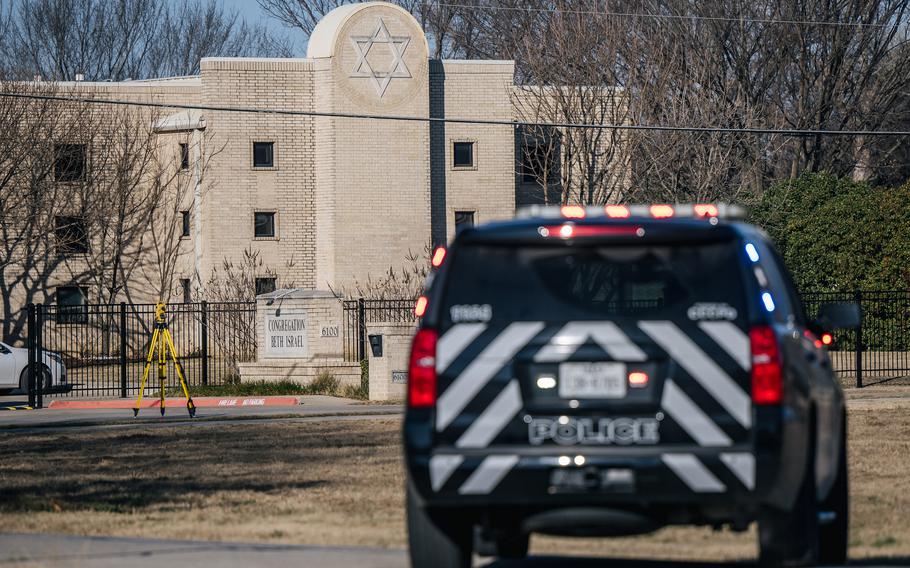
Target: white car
(14,375)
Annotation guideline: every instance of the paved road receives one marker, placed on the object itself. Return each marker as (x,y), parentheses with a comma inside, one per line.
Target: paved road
(23,550)
(311,406)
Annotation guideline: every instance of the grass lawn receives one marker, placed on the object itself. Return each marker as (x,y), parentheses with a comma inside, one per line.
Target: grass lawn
(340,483)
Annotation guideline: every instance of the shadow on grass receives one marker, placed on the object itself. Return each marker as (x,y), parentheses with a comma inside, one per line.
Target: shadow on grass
(168,468)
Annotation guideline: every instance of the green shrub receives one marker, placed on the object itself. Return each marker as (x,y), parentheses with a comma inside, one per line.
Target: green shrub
(839,235)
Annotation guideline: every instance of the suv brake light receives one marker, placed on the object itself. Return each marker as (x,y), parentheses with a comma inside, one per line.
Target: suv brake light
(422,370)
(767,374)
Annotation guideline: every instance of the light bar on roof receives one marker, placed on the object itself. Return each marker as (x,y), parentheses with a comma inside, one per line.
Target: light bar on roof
(653,211)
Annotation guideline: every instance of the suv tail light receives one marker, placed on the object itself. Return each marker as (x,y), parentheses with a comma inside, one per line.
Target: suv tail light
(767,374)
(422,369)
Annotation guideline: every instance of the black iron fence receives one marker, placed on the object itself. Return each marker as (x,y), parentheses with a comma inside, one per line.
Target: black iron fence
(358,313)
(104,347)
(879,350)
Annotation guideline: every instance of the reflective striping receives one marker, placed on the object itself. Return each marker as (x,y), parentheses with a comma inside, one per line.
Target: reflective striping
(691,418)
(742,464)
(693,473)
(454,341)
(702,368)
(491,422)
(500,351)
(442,468)
(732,339)
(486,477)
(574,334)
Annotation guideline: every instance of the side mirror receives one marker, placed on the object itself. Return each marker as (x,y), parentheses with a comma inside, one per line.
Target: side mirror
(839,316)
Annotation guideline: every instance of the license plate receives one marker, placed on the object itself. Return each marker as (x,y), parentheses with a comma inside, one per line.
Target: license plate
(592,380)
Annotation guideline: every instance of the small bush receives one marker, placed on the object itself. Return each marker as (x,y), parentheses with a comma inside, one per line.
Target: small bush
(325,383)
(233,387)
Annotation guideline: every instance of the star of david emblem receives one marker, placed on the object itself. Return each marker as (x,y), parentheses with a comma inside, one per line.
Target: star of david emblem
(381,78)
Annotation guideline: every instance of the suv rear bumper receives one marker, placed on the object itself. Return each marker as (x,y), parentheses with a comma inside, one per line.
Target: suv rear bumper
(529,476)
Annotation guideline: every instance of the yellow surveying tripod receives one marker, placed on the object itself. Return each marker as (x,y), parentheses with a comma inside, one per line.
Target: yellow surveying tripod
(163,343)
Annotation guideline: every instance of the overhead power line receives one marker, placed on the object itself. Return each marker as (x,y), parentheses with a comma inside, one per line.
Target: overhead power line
(455,120)
(650,15)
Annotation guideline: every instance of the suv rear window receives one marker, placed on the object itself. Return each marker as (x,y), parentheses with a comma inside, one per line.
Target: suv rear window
(559,283)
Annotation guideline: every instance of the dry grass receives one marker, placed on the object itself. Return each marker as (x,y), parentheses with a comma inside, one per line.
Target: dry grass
(340,483)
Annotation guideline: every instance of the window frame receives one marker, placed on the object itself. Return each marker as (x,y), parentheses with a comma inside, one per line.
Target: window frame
(68,248)
(274,158)
(76,316)
(184,156)
(69,178)
(262,279)
(186,290)
(274,235)
(457,212)
(473,146)
(186,225)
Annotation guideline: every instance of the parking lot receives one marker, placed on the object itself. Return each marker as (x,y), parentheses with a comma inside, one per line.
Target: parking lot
(330,481)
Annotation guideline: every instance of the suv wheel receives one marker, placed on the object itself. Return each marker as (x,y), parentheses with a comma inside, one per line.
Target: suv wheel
(437,541)
(790,538)
(833,528)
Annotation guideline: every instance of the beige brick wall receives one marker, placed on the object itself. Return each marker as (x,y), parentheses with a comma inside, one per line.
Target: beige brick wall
(352,197)
(238,190)
(475,89)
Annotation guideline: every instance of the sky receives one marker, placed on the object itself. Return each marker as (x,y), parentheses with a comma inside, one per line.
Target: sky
(251,12)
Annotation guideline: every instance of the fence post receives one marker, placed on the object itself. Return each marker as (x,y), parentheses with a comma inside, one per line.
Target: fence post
(32,356)
(39,355)
(122,349)
(205,342)
(361,330)
(858,298)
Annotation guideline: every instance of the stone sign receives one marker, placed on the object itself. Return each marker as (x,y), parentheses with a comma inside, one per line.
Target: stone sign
(286,335)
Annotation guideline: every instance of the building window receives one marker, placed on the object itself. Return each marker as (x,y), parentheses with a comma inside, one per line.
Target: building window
(184,156)
(72,304)
(185,223)
(186,290)
(71,235)
(69,162)
(263,154)
(264,225)
(463,154)
(265,285)
(463,220)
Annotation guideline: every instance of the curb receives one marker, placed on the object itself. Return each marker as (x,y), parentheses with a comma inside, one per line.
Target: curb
(202,402)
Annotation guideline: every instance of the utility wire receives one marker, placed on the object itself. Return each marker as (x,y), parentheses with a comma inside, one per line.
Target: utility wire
(474,121)
(662,16)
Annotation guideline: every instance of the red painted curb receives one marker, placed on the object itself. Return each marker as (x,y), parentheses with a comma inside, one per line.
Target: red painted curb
(224,402)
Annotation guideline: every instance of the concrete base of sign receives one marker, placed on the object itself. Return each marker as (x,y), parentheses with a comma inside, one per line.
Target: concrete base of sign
(298,337)
(388,373)
(300,371)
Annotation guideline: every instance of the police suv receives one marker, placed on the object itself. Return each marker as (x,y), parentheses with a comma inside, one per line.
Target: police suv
(610,371)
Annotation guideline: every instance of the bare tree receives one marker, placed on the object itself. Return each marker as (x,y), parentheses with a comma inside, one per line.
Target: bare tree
(812,64)
(177,186)
(572,70)
(437,19)
(33,193)
(116,40)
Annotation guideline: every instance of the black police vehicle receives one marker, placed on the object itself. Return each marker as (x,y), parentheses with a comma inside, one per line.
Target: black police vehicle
(610,371)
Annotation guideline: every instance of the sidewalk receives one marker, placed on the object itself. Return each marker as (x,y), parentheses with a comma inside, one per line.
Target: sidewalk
(114,411)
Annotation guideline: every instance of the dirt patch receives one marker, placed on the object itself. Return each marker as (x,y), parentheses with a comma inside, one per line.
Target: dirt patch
(340,483)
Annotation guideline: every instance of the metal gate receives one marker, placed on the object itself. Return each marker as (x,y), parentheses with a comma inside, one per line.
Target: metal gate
(103,347)
(358,313)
